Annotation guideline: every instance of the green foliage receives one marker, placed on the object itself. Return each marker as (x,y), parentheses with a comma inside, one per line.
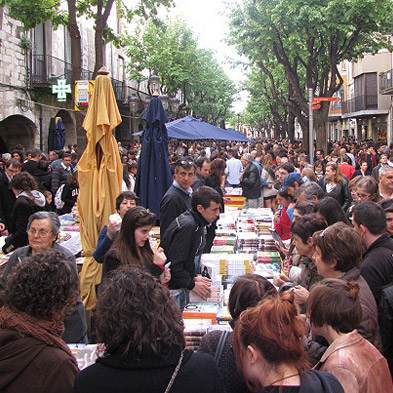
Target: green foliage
(309,38)
(171,51)
(32,12)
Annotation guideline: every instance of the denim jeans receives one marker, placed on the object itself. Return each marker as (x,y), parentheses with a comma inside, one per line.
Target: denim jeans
(181,297)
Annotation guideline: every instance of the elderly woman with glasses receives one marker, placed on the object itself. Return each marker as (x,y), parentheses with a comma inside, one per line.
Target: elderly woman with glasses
(43,229)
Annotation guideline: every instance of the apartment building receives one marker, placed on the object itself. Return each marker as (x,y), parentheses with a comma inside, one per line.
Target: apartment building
(29,67)
(364,108)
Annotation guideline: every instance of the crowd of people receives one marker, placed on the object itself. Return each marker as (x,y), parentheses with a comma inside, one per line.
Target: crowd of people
(324,324)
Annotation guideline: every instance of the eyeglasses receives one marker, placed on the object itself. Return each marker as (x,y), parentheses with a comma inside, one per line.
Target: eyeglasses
(185,163)
(40,232)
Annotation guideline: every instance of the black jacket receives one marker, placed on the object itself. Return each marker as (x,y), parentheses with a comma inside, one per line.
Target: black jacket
(59,177)
(341,193)
(312,381)
(198,183)
(115,373)
(377,265)
(183,240)
(7,200)
(36,170)
(174,202)
(251,182)
(20,214)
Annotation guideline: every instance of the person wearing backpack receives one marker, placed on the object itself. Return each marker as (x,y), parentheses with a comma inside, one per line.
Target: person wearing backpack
(67,194)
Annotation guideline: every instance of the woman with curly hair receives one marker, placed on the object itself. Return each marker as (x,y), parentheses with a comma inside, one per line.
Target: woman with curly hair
(142,330)
(132,246)
(33,357)
(28,201)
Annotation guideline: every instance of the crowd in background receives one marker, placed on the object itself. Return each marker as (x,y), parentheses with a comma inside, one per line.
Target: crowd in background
(323,325)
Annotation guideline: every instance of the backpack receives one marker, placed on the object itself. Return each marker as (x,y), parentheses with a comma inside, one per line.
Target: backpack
(59,203)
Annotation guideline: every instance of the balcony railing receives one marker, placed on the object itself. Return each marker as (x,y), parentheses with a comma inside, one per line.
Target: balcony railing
(361,103)
(45,70)
(386,82)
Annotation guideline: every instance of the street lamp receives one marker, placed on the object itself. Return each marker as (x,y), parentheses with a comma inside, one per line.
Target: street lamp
(133,102)
(174,104)
(154,85)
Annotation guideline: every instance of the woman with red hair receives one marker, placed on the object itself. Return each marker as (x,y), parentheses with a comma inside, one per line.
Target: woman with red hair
(269,350)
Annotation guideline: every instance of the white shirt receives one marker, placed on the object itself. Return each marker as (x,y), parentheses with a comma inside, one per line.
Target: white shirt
(234,170)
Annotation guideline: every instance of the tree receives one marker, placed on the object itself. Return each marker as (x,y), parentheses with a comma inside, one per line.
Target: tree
(171,51)
(309,39)
(31,13)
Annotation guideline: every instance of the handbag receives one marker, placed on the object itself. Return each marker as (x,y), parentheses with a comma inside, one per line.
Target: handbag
(174,375)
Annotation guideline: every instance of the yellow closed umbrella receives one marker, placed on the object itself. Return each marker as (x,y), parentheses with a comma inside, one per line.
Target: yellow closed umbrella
(100,177)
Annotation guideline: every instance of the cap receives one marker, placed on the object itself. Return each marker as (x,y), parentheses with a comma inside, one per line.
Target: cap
(290,179)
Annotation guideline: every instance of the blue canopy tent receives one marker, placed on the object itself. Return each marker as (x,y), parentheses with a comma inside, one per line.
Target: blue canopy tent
(154,174)
(189,128)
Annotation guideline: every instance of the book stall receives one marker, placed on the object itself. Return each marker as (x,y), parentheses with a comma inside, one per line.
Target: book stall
(243,244)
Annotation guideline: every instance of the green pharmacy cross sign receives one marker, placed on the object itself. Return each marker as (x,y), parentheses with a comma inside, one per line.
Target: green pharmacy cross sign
(61,89)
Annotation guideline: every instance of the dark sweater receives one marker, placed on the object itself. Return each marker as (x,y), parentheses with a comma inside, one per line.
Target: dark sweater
(197,374)
(113,262)
(377,265)
(233,381)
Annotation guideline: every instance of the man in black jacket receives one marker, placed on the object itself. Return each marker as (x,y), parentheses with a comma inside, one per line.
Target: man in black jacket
(178,197)
(184,241)
(35,167)
(59,175)
(7,197)
(250,182)
(369,220)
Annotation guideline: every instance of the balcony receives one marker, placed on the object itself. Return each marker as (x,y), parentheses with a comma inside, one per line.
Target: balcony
(386,82)
(360,103)
(46,69)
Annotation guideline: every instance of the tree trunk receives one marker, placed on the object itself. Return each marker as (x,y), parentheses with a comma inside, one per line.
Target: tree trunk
(320,123)
(291,126)
(76,52)
(100,24)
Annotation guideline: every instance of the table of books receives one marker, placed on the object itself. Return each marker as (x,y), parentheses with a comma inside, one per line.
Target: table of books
(243,244)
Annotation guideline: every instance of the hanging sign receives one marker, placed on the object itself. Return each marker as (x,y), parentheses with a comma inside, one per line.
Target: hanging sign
(61,89)
(83,91)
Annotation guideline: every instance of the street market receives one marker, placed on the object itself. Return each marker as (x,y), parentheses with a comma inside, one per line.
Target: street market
(196,196)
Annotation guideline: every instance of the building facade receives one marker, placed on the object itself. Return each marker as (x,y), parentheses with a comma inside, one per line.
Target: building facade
(363,111)
(32,63)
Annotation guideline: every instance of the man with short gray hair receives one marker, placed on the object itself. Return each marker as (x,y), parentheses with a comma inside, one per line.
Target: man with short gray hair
(386,182)
(43,229)
(250,182)
(312,192)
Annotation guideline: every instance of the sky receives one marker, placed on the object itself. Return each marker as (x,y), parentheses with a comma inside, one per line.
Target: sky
(208,20)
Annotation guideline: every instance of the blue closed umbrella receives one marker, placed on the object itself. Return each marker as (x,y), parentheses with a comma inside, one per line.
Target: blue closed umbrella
(59,135)
(154,174)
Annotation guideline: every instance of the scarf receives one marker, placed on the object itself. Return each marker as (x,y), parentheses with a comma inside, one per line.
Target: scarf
(49,332)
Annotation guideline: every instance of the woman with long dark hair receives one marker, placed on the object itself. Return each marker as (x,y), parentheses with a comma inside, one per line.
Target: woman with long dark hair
(132,246)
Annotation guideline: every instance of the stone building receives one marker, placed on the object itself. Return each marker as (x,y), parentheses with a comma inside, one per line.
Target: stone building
(30,64)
